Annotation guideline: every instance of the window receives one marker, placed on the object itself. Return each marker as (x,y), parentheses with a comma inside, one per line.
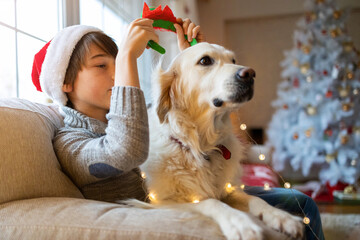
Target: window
(24,28)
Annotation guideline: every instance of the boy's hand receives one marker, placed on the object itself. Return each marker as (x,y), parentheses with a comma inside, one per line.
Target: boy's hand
(133,45)
(139,33)
(186,27)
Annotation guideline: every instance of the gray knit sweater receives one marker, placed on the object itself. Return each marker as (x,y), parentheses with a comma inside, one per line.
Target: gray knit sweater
(100,158)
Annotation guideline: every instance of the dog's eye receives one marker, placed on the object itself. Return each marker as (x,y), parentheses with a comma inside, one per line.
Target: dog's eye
(233,61)
(206,61)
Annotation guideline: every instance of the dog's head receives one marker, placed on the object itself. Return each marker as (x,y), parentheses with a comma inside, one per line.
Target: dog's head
(203,77)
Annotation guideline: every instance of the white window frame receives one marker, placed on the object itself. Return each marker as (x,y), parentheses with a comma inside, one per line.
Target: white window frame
(17,30)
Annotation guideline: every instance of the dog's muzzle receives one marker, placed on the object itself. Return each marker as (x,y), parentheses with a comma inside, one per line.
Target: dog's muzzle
(244,85)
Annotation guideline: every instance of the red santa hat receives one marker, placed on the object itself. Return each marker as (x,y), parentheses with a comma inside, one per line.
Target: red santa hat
(51,62)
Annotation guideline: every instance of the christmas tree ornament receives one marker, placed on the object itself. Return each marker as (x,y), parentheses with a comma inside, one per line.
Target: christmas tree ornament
(353,162)
(308,132)
(356,91)
(349,75)
(348,46)
(329,94)
(330,157)
(335,32)
(357,130)
(328,132)
(346,107)
(309,79)
(310,17)
(304,68)
(296,83)
(337,14)
(344,91)
(311,110)
(344,139)
(306,49)
(296,136)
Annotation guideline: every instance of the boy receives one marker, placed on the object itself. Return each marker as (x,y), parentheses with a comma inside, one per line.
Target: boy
(105,137)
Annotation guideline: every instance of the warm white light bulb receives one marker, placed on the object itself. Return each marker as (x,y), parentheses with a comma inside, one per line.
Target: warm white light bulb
(152,196)
(306,220)
(287,185)
(143,175)
(243,126)
(353,162)
(242,186)
(229,188)
(262,157)
(266,186)
(196,201)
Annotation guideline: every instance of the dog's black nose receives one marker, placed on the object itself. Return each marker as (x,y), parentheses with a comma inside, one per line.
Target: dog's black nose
(246,74)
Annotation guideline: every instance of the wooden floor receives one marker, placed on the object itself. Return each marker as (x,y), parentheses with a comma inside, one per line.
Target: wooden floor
(338,208)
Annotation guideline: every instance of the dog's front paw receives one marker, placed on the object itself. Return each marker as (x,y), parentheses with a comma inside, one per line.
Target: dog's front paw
(237,225)
(284,222)
(278,219)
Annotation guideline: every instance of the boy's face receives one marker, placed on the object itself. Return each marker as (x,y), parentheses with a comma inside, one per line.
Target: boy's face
(91,92)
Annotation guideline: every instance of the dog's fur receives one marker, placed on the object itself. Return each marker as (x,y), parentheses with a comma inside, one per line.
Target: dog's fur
(189,118)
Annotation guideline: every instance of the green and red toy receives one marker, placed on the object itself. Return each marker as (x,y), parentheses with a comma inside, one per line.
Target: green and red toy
(163,20)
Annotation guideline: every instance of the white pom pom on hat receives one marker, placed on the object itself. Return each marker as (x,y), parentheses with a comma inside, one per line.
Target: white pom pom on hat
(51,62)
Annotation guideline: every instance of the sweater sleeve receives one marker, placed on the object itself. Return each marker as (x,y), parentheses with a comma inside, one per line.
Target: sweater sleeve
(88,157)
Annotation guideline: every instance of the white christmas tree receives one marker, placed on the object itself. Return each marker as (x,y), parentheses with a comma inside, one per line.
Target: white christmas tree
(317,118)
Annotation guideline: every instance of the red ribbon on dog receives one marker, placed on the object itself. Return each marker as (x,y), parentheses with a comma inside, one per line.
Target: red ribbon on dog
(225,152)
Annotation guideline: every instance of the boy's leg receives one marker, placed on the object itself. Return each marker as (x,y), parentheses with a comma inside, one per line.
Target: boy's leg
(285,199)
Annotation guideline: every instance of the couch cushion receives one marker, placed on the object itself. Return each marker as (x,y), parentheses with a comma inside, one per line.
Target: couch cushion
(28,164)
(66,218)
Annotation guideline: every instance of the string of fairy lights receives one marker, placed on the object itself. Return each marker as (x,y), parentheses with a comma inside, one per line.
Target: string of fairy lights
(230,188)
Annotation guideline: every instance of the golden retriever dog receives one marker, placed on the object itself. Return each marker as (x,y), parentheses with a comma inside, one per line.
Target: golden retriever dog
(194,153)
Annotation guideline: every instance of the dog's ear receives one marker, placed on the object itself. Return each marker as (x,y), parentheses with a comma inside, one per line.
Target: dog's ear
(165,92)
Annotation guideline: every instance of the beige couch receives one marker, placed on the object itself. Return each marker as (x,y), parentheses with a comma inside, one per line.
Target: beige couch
(38,201)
